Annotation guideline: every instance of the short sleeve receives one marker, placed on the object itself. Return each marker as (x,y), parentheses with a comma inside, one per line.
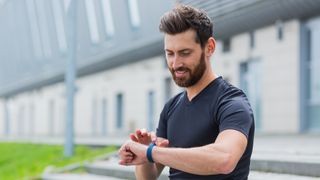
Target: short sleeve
(235,114)
(164,116)
(162,125)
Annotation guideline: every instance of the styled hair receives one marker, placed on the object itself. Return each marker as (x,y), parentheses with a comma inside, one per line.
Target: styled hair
(183,18)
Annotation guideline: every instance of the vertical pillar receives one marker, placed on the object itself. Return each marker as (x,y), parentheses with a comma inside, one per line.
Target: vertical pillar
(70,77)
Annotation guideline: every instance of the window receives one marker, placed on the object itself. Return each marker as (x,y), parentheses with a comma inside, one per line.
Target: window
(168,88)
(21,120)
(94,117)
(134,13)
(51,117)
(250,83)
(7,117)
(31,119)
(92,21)
(252,40)
(108,19)
(279,26)
(150,111)
(119,113)
(226,45)
(59,24)
(104,117)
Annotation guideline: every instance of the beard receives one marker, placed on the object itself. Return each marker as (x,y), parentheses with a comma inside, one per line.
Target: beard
(193,76)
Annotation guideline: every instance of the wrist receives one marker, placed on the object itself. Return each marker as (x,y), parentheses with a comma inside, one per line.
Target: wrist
(149,152)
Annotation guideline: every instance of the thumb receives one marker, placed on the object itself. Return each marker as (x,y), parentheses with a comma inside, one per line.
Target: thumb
(164,143)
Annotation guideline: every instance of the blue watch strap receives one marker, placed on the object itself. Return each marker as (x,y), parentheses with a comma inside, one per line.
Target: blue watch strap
(149,152)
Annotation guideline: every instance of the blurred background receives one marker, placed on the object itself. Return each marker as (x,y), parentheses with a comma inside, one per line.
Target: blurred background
(269,48)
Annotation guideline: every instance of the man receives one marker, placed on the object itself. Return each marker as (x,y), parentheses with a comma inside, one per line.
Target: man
(205,132)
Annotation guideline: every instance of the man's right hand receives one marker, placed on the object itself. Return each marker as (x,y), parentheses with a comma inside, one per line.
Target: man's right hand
(144,137)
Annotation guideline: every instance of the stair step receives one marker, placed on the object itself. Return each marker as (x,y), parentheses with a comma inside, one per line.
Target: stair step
(288,163)
(66,176)
(112,168)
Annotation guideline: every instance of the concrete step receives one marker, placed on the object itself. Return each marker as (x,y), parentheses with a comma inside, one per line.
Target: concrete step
(286,162)
(68,176)
(112,168)
(254,175)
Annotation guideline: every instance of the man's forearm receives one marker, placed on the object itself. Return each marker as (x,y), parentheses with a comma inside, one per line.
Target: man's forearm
(220,157)
(201,160)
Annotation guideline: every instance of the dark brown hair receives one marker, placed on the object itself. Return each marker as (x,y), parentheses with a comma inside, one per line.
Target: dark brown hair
(183,18)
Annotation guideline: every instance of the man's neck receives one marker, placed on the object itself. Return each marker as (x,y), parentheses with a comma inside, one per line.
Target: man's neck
(207,78)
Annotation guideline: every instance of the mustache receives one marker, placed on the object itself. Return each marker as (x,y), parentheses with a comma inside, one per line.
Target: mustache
(180,69)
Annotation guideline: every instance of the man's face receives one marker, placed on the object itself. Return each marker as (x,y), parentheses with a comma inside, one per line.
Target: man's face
(185,58)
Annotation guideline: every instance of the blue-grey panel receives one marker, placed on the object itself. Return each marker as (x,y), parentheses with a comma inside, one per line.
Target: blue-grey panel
(232,17)
(22,70)
(24,67)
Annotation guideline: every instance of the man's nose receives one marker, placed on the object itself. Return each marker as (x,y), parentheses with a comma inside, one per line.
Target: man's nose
(176,62)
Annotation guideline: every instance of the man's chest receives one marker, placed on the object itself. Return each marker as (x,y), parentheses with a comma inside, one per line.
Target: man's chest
(191,127)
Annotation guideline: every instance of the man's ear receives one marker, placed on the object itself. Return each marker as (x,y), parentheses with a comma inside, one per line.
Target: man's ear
(211,46)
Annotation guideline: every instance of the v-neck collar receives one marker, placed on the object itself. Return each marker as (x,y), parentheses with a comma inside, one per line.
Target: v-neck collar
(186,100)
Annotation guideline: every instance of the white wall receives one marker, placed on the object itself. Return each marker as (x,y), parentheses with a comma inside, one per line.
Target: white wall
(134,81)
(280,86)
(280,75)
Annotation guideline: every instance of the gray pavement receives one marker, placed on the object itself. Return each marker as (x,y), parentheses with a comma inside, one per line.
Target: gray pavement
(113,171)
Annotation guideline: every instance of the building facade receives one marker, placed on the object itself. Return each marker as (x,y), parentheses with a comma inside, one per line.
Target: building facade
(267,48)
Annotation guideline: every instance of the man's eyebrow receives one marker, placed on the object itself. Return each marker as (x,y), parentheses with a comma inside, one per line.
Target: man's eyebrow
(181,50)
(187,49)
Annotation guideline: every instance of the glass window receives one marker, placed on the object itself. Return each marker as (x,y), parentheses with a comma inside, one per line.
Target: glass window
(104,117)
(279,26)
(134,13)
(21,120)
(31,119)
(151,111)
(94,117)
(92,21)
(119,113)
(250,83)
(252,40)
(168,88)
(7,117)
(51,117)
(226,45)
(108,19)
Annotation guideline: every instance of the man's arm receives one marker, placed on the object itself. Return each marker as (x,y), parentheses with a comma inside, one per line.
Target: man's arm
(220,157)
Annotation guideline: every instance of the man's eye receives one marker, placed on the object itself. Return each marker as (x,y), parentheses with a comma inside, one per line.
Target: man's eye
(169,54)
(185,53)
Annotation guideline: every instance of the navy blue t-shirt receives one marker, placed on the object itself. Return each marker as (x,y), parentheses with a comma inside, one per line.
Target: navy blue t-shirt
(198,122)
